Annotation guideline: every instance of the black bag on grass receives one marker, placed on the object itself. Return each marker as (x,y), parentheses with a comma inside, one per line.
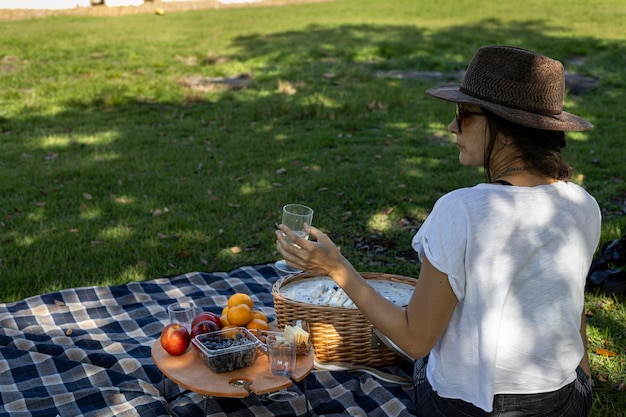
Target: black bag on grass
(606,273)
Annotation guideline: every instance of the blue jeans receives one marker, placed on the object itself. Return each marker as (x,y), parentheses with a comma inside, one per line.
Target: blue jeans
(573,400)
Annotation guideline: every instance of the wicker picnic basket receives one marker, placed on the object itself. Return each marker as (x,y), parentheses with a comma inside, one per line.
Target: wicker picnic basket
(337,334)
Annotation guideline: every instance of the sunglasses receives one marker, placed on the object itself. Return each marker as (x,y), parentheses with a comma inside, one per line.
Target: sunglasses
(460,114)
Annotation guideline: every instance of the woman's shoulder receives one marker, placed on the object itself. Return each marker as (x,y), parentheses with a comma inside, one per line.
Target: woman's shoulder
(579,193)
(482,190)
(460,199)
(464,193)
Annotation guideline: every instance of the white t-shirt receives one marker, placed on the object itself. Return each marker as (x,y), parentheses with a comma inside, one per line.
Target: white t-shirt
(517,259)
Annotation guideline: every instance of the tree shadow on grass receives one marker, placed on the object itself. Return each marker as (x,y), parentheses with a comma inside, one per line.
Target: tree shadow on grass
(318,109)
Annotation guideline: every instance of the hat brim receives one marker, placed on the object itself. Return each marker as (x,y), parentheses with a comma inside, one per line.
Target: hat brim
(563,121)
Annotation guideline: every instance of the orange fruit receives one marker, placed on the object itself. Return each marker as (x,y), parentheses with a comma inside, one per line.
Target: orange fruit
(258,314)
(225,310)
(230,331)
(240,298)
(239,315)
(224,320)
(257,324)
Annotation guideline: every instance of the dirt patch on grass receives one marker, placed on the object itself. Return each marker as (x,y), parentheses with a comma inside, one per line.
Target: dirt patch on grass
(147,7)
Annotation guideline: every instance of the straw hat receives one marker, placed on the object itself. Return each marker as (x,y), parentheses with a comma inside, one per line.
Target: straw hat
(518,85)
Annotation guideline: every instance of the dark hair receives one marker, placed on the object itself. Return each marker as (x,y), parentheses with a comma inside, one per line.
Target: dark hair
(540,149)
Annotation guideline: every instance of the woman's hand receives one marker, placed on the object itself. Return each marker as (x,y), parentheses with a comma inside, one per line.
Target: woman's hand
(318,256)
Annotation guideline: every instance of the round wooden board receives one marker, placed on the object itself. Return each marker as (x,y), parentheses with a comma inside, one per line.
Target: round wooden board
(190,372)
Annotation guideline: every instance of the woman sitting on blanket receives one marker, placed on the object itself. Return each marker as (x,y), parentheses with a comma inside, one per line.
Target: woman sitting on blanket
(497,317)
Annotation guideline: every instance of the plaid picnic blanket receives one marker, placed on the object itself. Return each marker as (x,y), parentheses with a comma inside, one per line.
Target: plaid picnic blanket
(87,352)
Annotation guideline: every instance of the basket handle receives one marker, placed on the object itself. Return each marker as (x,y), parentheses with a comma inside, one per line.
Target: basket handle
(344,366)
(378,337)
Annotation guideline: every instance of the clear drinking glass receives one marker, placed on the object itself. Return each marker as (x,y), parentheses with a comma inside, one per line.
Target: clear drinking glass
(298,218)
(281,354)
(182,312)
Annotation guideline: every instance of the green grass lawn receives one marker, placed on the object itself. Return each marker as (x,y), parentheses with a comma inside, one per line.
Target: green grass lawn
(120,160)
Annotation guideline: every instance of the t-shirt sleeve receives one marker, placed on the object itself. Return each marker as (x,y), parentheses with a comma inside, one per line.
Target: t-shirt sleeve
(443,240)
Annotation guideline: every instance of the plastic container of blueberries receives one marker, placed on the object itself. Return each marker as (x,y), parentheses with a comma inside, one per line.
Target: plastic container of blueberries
(228,359)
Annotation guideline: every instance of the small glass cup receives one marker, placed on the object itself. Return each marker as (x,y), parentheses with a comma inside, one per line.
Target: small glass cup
(182,312)
(281,354)
(298,218)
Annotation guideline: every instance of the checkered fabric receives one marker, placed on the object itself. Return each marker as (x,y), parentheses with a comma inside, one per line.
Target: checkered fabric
(87,352)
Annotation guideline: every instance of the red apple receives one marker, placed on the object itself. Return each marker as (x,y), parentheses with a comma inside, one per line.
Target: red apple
(207,315)
(175,339)
(205,326)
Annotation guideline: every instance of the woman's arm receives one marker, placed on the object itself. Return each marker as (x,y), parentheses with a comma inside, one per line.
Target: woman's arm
(415,329)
